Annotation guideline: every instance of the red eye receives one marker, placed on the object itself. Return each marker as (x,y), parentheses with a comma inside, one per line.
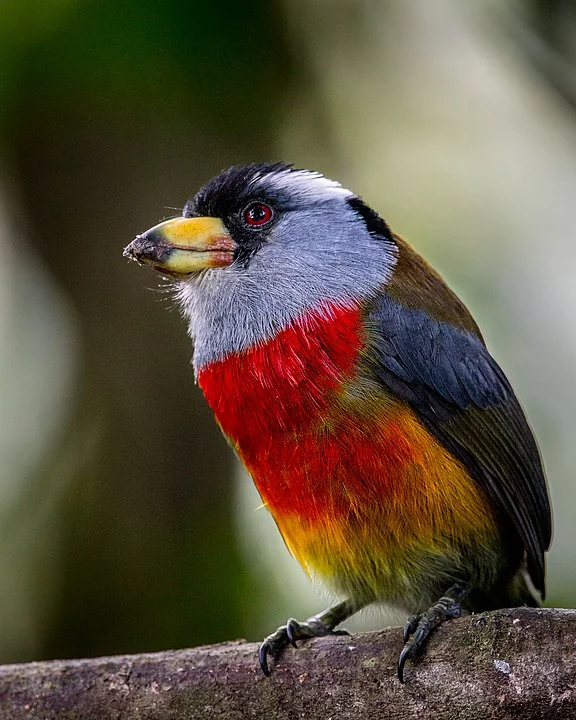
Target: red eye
(257,215)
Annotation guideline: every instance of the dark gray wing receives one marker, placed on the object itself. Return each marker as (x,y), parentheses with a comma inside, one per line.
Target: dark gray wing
(451,381)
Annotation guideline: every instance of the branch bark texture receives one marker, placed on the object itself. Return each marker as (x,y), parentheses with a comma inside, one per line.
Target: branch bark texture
(517,664)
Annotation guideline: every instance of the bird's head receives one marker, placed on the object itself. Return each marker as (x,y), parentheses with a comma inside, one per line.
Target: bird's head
(260,245)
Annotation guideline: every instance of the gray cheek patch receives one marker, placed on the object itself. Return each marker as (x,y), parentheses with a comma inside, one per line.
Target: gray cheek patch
(315,258)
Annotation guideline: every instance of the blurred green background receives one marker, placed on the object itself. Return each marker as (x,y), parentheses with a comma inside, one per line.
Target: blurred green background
(125,522)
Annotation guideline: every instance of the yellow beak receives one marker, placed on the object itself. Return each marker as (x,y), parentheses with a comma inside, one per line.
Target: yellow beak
(183,246)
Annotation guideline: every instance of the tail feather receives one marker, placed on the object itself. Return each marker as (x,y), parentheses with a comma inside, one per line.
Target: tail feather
(520,592)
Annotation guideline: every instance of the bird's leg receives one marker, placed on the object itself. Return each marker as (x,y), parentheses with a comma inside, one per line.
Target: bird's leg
(418,627)
(316,626)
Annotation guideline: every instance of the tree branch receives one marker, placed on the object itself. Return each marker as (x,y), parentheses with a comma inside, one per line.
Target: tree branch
(507,664)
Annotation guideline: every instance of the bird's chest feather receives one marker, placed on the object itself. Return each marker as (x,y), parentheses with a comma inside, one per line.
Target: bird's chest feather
(316,443)
(341,466)
(283,385)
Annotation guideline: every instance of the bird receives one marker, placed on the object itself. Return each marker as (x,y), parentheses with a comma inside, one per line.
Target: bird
(358,392)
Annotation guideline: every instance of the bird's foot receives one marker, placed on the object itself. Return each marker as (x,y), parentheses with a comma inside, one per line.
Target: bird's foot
(419,627)
(289,634)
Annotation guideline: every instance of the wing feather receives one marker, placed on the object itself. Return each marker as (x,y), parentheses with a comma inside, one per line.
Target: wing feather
(448,377)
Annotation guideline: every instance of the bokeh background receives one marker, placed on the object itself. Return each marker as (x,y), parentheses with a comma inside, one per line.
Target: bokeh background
(125,522)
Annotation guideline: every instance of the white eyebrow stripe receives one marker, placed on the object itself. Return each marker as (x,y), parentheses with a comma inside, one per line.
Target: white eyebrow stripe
(312,185)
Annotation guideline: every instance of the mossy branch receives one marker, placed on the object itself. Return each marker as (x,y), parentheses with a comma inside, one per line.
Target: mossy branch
(517,664)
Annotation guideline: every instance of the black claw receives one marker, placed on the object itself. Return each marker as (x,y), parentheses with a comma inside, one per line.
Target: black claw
(411,625)
(407,651)
(292,628)
(274,644)
(263,657)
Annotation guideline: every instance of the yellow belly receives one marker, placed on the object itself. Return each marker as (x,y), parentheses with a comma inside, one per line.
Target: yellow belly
(384,513)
